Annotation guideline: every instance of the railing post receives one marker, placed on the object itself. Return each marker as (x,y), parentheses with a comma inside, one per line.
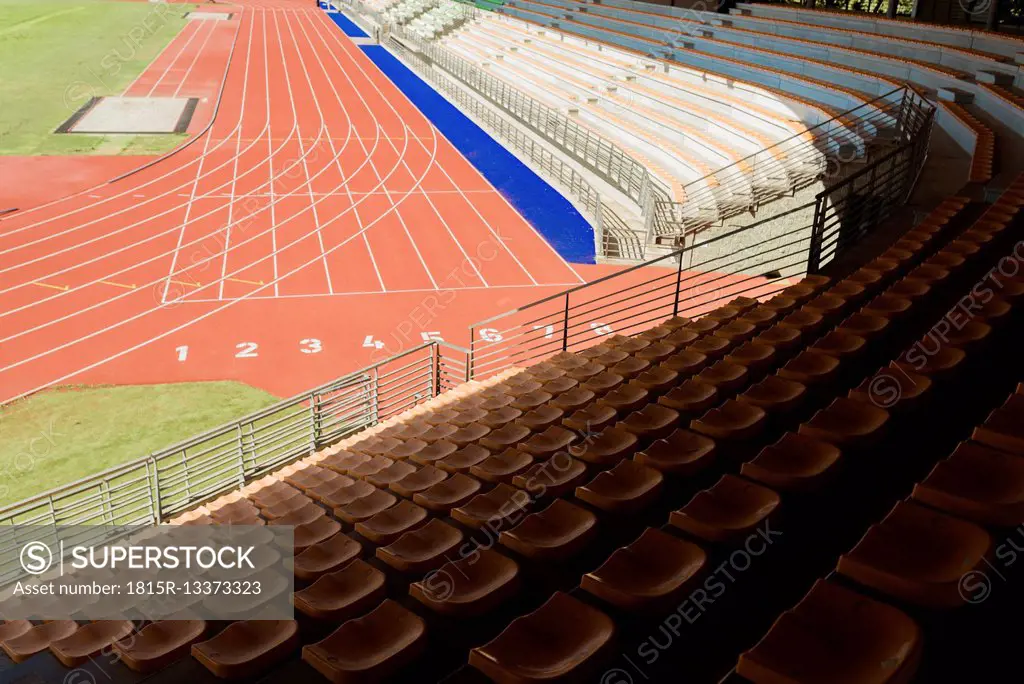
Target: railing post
(905,106)
(107,506)
(375,396)
(649,208)
(679,281)
(241,453)
(817,234)
(435,376)
(188,482)
(471,355)
(315,423)
(154,492)
(599,240)
(565,326)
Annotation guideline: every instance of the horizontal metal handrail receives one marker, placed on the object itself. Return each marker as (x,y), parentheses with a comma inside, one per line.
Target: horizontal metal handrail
(810,147)
(222,458)
(589,148)
(603,217)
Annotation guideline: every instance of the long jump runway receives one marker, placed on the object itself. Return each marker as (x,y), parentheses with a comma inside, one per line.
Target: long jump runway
(319,219)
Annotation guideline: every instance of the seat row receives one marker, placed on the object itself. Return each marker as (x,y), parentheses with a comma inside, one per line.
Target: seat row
(640,562)
(867,619)
(915,560)
(148,649)
(653,565)
(608,451)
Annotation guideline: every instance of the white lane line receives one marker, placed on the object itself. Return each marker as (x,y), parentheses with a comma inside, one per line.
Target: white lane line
(192,321)
(323,127)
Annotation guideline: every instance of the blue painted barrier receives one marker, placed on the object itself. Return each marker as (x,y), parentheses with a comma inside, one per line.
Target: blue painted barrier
(550,214)
(347,25)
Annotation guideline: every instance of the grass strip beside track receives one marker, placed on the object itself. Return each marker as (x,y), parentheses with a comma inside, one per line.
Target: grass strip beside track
(63,435)
(56,54)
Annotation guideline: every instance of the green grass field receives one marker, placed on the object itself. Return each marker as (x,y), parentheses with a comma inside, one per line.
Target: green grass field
(63,435)
(55,54)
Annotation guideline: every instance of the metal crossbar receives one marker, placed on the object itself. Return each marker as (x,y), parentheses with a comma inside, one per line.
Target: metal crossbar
(816,155)
(599,154)
(151,489)
(781,170)
(687,282)
(710,272)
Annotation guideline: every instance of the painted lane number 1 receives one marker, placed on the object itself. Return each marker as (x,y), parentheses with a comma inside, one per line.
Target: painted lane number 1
(249,350)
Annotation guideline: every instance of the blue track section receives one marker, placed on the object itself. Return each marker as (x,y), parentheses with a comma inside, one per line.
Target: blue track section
(553,216)
(346,24)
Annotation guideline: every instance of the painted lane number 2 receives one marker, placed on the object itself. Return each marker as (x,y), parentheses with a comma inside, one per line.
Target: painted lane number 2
(250,350)
(246,350)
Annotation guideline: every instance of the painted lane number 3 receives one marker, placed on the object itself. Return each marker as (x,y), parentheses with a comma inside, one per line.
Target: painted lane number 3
(311,345)
(249,350)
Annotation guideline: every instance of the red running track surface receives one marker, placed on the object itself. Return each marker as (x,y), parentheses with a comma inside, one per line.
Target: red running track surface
(320,208)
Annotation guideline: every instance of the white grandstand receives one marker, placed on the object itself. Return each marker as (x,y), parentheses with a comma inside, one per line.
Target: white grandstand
(730,118)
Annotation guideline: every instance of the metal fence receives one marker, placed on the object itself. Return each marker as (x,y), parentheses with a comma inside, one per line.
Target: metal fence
(755,261)
(539,156)
(845,212)
(179,477)
(603,157)
(613,236)
(687,282)
(821,154)
(745,186)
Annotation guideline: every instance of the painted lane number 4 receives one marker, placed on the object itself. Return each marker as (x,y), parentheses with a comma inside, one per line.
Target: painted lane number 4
(428,336)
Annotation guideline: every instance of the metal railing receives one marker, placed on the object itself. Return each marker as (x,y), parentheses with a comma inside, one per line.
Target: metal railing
(153,488)
(821,154)
(755,261)
(847,211)
(613,236)
(744,186)
(687,282)
(539,156)
(597,153)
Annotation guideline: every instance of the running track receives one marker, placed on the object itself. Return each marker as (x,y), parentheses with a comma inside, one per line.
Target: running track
(320,210)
